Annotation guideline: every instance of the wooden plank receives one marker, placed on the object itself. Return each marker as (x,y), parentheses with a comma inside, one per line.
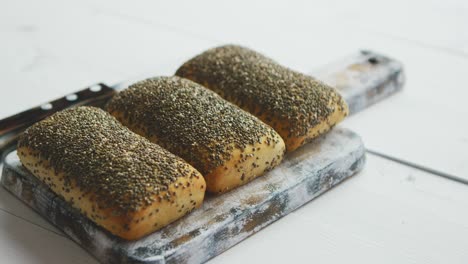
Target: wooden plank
(439,23)
(221,222)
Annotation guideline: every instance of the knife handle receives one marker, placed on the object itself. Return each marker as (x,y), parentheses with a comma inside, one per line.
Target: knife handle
(11,127)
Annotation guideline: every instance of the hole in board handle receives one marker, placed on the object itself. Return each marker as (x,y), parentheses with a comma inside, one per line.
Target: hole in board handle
(373,60)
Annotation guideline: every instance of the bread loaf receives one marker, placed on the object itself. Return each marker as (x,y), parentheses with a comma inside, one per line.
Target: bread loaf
(297,106)
(118,179)
(226,144)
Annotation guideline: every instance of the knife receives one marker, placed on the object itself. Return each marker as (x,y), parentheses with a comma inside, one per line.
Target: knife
(363,78)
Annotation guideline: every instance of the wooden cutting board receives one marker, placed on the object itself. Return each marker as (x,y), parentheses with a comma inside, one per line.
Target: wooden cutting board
(221,222)
(227,219)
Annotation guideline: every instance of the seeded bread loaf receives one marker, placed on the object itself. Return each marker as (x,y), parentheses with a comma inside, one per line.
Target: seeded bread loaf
(226,144)
(297,106)
(118,179)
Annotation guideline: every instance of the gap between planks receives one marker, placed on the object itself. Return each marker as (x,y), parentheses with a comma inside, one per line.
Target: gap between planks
(418,167)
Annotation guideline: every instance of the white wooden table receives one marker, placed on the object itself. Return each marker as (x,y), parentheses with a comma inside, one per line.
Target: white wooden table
(389,213)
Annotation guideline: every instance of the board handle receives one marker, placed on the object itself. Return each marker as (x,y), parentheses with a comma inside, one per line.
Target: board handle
(363,78)
(11,127)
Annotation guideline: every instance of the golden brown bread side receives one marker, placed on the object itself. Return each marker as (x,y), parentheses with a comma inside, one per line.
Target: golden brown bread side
(297,106)
(116,178)
(227,145)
